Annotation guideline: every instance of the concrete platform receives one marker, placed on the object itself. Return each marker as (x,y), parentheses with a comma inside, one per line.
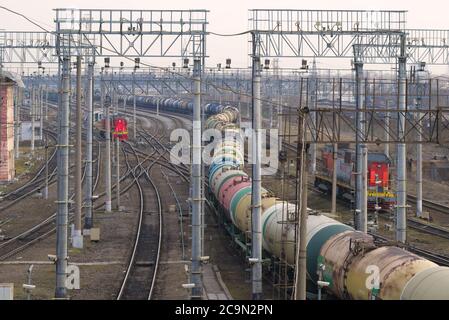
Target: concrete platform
(214,287)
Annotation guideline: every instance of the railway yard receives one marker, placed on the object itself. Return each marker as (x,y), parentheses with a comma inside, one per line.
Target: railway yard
(121,179)
(147,241)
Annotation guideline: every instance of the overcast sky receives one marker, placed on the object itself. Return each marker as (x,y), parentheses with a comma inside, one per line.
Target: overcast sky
(227,16)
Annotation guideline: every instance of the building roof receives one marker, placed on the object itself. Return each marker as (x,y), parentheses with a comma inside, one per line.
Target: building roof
(14,77)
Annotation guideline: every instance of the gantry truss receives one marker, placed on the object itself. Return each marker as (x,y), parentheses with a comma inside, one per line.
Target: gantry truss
(427,112)
(333,102)
(326,33)
(334,33)
(26,47)
(136,33)
(431,46)
(111,33)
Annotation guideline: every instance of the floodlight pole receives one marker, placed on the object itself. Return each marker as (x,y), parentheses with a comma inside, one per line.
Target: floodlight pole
(63,182)
(401,189)
(108,202)
(361,214)
(88,220)
(134,105)
(197,197)
(256,197)
(77,237)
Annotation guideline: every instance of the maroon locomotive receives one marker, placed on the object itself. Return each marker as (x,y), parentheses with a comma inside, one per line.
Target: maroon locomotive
(379,191)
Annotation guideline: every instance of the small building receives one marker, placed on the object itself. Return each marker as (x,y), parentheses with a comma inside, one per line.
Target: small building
(98,115)
(7,83)
(26,130)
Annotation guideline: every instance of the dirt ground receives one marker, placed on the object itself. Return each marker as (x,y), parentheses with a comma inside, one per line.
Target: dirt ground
(99,280)
(172,271)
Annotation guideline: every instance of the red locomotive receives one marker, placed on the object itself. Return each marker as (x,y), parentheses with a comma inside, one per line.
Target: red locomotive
(119,128)
(379,194)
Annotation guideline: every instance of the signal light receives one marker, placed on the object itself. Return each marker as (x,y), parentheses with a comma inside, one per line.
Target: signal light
(267,64)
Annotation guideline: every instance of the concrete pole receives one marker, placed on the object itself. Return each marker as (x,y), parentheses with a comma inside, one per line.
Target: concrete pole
(281,121)
(63,182)
(360,125)
(401,189)
(419,156)
(248,103)
(32,109)
(117,172)
(256,197)
(108,202)
(89,158)
(363,226)
(41,107)
(203,183)
(387,131)
(46,168)
(117,153)
(419,181)
(19,102)
(29,273)
(112,149)
(77,237)
(239,107)
(134,106)
(314,114)
(46,103)
(334,178)
(197,197)
(300,288)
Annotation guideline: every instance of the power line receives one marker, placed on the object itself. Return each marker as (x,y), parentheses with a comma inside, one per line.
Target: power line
(165,69)
(230,34)
(25,17)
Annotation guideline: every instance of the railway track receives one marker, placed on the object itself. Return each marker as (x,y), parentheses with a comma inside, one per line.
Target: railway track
(33,185)
(425,227)
(35,181)
(39,231)
(142,269)
(141,273)
(439,259)
(29,237)
(415,223)
(436,207)
(148,238)
(181,169)
(428,228)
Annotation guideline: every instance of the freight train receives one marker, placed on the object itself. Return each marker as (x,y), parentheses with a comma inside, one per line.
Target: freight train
(172,104)
(349,261)
(379,195)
